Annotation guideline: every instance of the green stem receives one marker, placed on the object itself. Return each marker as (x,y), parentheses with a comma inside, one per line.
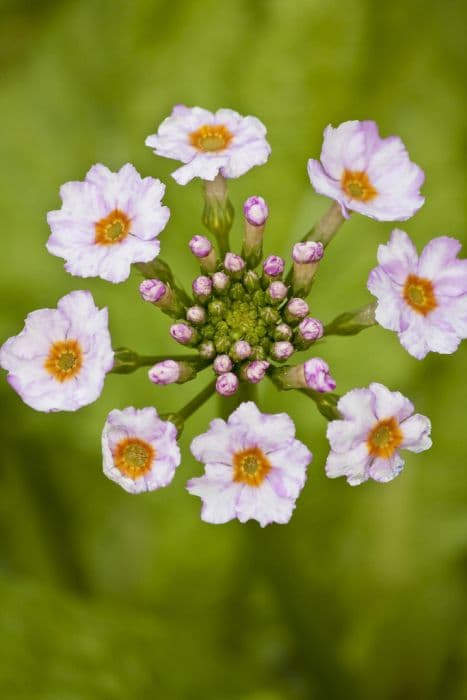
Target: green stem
(352,322)
(184,413)
(127,361)
(228,404)
(325,403)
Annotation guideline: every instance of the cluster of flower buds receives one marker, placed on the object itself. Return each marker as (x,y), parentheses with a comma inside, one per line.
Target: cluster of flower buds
(245,318)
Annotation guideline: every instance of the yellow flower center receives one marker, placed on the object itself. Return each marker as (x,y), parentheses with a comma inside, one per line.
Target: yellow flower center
(133,457)
(419,294)
(250,466)
(384,438)
(64,360)
(113,228)
(356,184)
(210,138)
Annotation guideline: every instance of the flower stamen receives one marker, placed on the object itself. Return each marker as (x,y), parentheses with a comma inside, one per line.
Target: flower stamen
(250,466)
(384,438)
(419,294)
(211,138)
(133,457)
(64,360)
(356,184)
(113,228)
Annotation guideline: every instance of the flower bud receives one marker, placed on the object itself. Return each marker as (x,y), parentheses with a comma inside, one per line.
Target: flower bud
(152,290)
(317,375)
(282,332)
(183,334)
(166,372)
(307,252)
(216,308)
(202,248)
(234,264)
(270,315)
(196,315)
(202,287)
(276,292)
(273,266)
(251,281)
(296,310)
(221,282)
(256,211)
(227,384)
(207,350)
(309,330)
(241,350)
(255,371)
(282,350)
(222,364)
(306,257)
(163,296)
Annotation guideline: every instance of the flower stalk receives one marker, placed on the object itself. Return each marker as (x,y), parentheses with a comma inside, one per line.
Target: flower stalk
(218,213)
(352,322)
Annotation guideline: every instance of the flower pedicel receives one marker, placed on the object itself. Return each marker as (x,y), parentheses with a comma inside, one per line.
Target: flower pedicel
(245,319)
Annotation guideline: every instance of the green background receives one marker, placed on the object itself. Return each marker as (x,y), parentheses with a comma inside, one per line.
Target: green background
(112,596)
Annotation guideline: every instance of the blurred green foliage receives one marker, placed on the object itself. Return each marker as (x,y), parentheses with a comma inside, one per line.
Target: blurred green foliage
(108,596)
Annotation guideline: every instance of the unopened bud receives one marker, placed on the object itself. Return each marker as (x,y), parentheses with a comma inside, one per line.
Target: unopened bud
(207,350)
(241,350)
(202,287)
(183,334)
(196,315)
(276,292)
(163,296)
(251,281)
(307,252)
(296,310)
(255,371)
(283,332)
(202,248)
(309,330)
(306,257)
(221,282)
(234,264)
(222,364)
(256,211)
(227,384)
(282,350)
(166,372)
(273,266)
(317,375)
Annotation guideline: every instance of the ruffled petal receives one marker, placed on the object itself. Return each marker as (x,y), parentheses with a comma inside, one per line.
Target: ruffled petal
(416,431)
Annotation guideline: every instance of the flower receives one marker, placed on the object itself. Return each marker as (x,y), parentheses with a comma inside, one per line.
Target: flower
(59,360)
(255,468)
(139,449)
(210,143)
(108,222)
(375,423)
(423,299)
(366,173)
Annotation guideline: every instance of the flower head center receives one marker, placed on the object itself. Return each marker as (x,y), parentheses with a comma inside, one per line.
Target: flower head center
(356,184)
(211,138)
(250,466)
(134,457)
(384,438)
(113,228)
(419,294)
(64,360)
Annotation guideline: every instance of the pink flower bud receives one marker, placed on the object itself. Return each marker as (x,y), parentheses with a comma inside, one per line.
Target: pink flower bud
(200,246)
(273,266)
(152,290)
(220,281)
(283,332)
(227,384)
(256,371)
(233,262)
(202,286)
(222,364)
(256,211)
(242,350)
(310,329)
(182,333)
(308,252)
(277,291)
(297,308)
(207,350)
(196,315)
(317,375)
(282,350)
(166,372)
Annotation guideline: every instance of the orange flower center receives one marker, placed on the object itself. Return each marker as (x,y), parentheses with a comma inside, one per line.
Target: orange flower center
(210,138)
(356,184)
(64,360)
(133,457)
(113,228)
(384,438)
(419,294)
(250,466)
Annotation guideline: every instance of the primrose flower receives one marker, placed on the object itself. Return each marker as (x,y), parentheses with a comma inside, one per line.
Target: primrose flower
(423,299)
(59,360)
(108,222)
(366,173)
(375,424)
(140,450)
(255,468)
(210,143)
